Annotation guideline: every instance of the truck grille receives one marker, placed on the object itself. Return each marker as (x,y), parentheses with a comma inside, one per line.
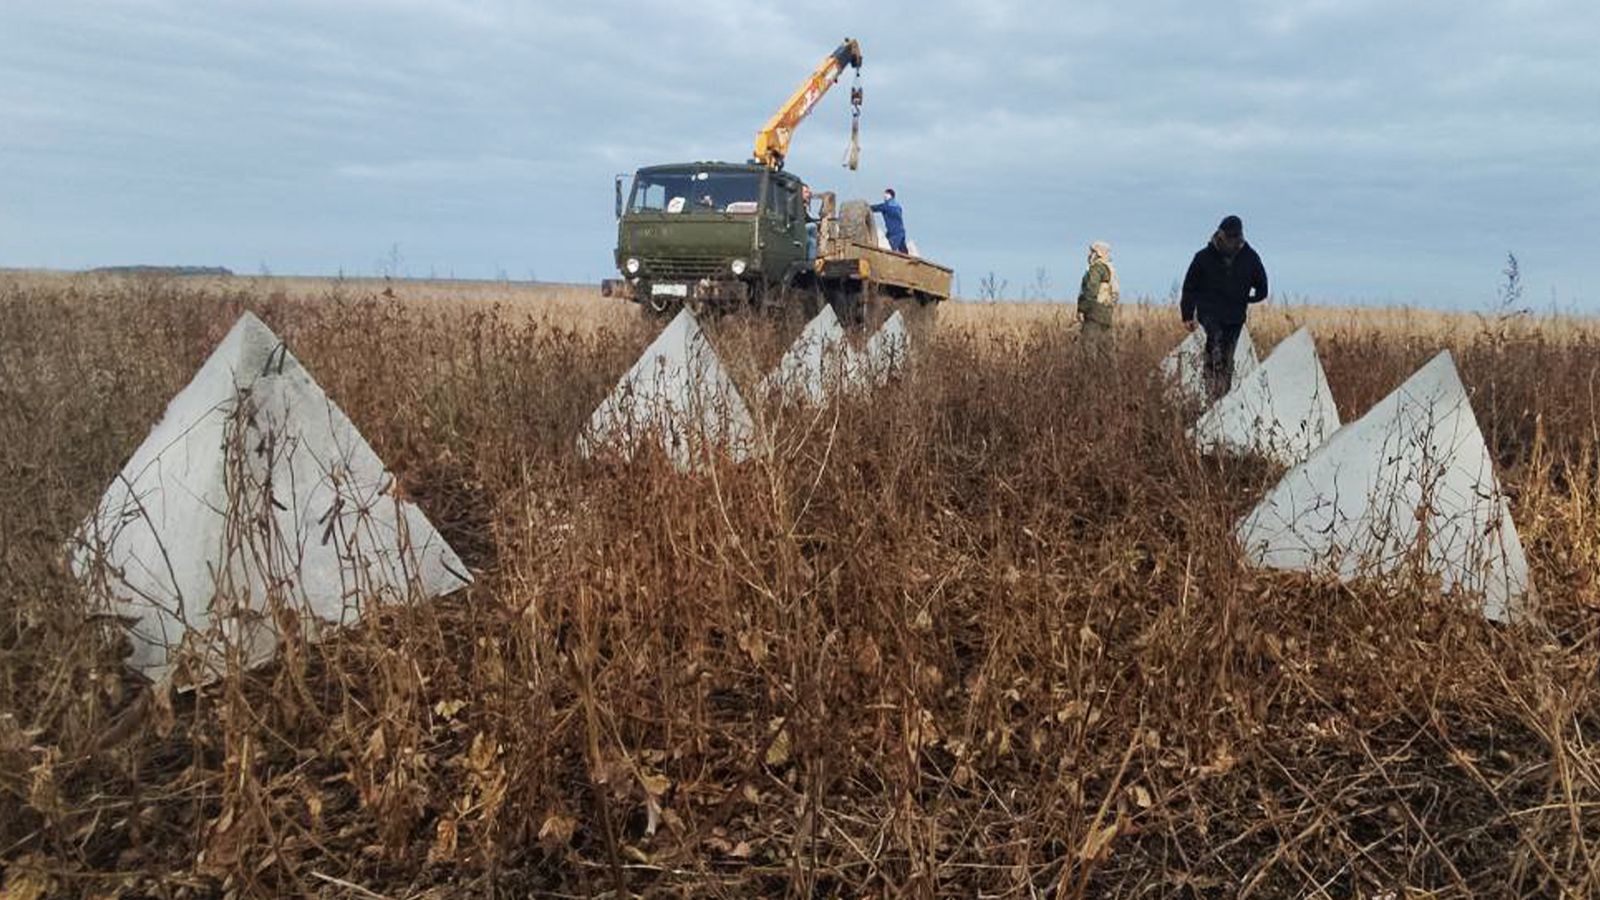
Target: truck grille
(683,267)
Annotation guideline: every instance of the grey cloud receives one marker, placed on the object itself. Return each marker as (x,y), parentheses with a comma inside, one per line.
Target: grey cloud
(1377,150)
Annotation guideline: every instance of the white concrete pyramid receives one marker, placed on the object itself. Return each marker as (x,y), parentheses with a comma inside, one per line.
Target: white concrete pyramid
(816,365)
(253,493)
(1282,409)
(888,349)
(1185,366)
(1411,482)
(679,396)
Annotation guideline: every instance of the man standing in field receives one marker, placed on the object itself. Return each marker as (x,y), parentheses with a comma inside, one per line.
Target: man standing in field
(1098,294)
(894,222)
(1225,277)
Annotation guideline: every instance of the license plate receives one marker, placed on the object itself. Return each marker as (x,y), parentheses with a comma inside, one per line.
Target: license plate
(669,290)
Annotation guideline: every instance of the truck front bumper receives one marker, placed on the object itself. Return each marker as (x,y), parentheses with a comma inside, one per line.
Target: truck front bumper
(704,290)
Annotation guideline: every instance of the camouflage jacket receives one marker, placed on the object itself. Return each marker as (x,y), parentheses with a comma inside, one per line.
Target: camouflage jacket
(1094,295)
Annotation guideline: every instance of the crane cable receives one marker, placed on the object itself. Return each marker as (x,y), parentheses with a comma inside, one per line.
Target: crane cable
(852,154)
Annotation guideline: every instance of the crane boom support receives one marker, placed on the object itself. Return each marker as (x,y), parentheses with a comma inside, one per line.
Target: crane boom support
(772,141)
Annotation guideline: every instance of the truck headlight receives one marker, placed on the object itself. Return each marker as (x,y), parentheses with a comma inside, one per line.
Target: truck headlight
(632,265)
(738,266)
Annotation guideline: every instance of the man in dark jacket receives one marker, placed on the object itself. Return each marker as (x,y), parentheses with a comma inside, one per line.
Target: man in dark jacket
(1223,280)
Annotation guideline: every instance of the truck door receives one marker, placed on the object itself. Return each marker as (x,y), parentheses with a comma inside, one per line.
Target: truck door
(786,221)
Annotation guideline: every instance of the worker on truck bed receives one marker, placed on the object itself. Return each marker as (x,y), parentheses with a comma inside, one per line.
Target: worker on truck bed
(1099,293)
(894,222)
(1225,277)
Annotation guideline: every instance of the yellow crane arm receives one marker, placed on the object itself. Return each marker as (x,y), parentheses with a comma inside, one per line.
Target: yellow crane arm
(772,141)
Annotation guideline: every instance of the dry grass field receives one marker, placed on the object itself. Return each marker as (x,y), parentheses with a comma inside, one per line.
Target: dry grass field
(983,633)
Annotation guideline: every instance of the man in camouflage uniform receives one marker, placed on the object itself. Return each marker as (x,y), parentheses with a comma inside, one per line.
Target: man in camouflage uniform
(1098,295)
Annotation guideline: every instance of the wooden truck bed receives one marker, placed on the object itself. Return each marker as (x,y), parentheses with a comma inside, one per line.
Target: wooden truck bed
(885,270)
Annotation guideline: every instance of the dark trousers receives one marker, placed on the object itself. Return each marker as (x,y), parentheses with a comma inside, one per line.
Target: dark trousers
(1222,339)
(897,242)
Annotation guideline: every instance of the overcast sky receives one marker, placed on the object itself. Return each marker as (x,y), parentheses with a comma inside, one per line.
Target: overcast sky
(1377,151)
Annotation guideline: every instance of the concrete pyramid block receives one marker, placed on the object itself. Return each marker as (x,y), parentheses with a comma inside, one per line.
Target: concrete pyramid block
(1282,409)
(679,396)
(253,494)
(1185,367)
(816,365)
(1410,483)
(888,349)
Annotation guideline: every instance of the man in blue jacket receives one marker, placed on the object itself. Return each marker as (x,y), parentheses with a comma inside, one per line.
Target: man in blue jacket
(894,222)
(1223,280)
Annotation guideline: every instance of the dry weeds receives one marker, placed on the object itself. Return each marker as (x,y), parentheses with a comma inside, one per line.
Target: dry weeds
(984,634)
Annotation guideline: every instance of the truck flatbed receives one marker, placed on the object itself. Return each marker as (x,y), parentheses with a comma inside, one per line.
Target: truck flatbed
(886,271)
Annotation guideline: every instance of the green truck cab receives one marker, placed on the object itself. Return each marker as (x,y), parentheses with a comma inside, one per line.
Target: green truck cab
(711,233)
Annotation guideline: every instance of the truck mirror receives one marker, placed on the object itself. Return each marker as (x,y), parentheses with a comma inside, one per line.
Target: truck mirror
(619,195)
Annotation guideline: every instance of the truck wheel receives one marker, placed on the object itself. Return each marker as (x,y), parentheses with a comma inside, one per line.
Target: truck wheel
(922,315)
(812,302)
(804,299)
(856,224)
(847,305)
(762,295)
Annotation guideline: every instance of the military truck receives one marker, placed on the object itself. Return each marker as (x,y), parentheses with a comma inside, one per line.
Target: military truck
(731,235)
(725,235)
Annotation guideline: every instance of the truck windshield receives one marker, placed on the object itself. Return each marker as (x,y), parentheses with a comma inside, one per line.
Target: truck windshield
(692,191)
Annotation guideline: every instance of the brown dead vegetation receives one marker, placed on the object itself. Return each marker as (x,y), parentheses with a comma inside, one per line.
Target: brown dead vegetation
(984,633)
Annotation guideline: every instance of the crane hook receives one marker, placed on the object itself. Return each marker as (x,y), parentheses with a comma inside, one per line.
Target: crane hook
(852,157)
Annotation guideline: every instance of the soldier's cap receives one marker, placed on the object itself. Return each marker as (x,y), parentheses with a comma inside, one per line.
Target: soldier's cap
(1231,226)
